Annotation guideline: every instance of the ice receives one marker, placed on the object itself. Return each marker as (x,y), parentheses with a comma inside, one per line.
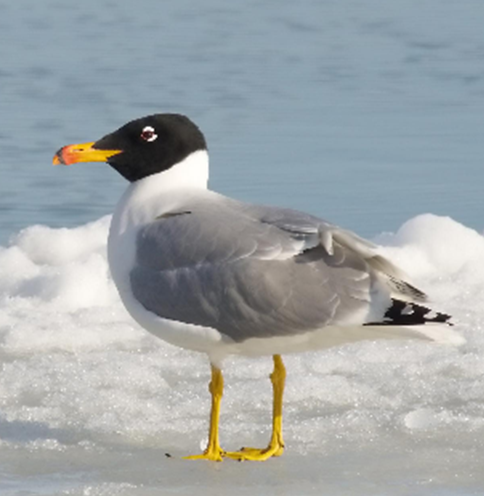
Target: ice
(95,402)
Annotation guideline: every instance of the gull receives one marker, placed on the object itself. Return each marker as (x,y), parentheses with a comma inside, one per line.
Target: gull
(213,274)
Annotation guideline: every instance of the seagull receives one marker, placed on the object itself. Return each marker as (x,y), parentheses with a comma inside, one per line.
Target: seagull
(219,276)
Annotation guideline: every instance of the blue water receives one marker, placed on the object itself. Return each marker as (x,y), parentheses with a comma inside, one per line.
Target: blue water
(365,113)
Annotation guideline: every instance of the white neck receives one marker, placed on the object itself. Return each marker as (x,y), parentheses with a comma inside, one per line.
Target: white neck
(192,172)
(146,198)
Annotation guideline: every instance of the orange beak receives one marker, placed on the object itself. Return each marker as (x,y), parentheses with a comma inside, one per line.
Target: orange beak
(83,152)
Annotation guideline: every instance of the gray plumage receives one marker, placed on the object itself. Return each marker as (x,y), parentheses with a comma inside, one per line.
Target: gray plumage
(254,271)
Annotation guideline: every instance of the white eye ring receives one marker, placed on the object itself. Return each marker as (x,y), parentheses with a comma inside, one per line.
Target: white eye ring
(148,134)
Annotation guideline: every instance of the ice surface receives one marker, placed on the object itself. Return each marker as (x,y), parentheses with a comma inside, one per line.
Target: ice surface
(93,402)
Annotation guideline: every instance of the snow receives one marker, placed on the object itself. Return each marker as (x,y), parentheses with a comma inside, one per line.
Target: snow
(94,403)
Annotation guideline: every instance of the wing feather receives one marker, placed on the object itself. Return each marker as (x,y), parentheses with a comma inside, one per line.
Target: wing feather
(253,271)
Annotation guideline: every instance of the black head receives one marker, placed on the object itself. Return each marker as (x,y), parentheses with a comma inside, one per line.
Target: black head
(141,147)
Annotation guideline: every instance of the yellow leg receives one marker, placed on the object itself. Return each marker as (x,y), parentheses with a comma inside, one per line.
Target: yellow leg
(276,444)
(213,451)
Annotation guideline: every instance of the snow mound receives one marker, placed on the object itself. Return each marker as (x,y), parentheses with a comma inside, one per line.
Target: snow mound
(79,376)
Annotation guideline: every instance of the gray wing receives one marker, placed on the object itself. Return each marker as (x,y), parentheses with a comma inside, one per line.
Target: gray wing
(387,273)
(252,271)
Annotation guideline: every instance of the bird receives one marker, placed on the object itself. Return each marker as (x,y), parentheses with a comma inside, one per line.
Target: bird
(213,274)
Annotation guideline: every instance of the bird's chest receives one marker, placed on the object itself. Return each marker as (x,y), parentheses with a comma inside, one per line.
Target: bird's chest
(133,212)
(136,209)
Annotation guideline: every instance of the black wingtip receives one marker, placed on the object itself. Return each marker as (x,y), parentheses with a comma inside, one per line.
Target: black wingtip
(403,313)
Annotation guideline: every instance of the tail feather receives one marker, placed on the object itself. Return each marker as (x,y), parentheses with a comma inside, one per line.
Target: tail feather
(407,315)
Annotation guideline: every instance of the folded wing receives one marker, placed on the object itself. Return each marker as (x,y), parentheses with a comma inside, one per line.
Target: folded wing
(253,271)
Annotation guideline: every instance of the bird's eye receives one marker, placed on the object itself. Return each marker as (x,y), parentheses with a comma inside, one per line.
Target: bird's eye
(148,134)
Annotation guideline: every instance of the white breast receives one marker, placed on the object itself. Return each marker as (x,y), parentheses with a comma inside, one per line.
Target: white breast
(141,203)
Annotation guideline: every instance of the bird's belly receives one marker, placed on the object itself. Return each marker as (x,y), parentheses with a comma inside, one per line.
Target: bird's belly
(184,335)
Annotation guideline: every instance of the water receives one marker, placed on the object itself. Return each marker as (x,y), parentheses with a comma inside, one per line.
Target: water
(365,113)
